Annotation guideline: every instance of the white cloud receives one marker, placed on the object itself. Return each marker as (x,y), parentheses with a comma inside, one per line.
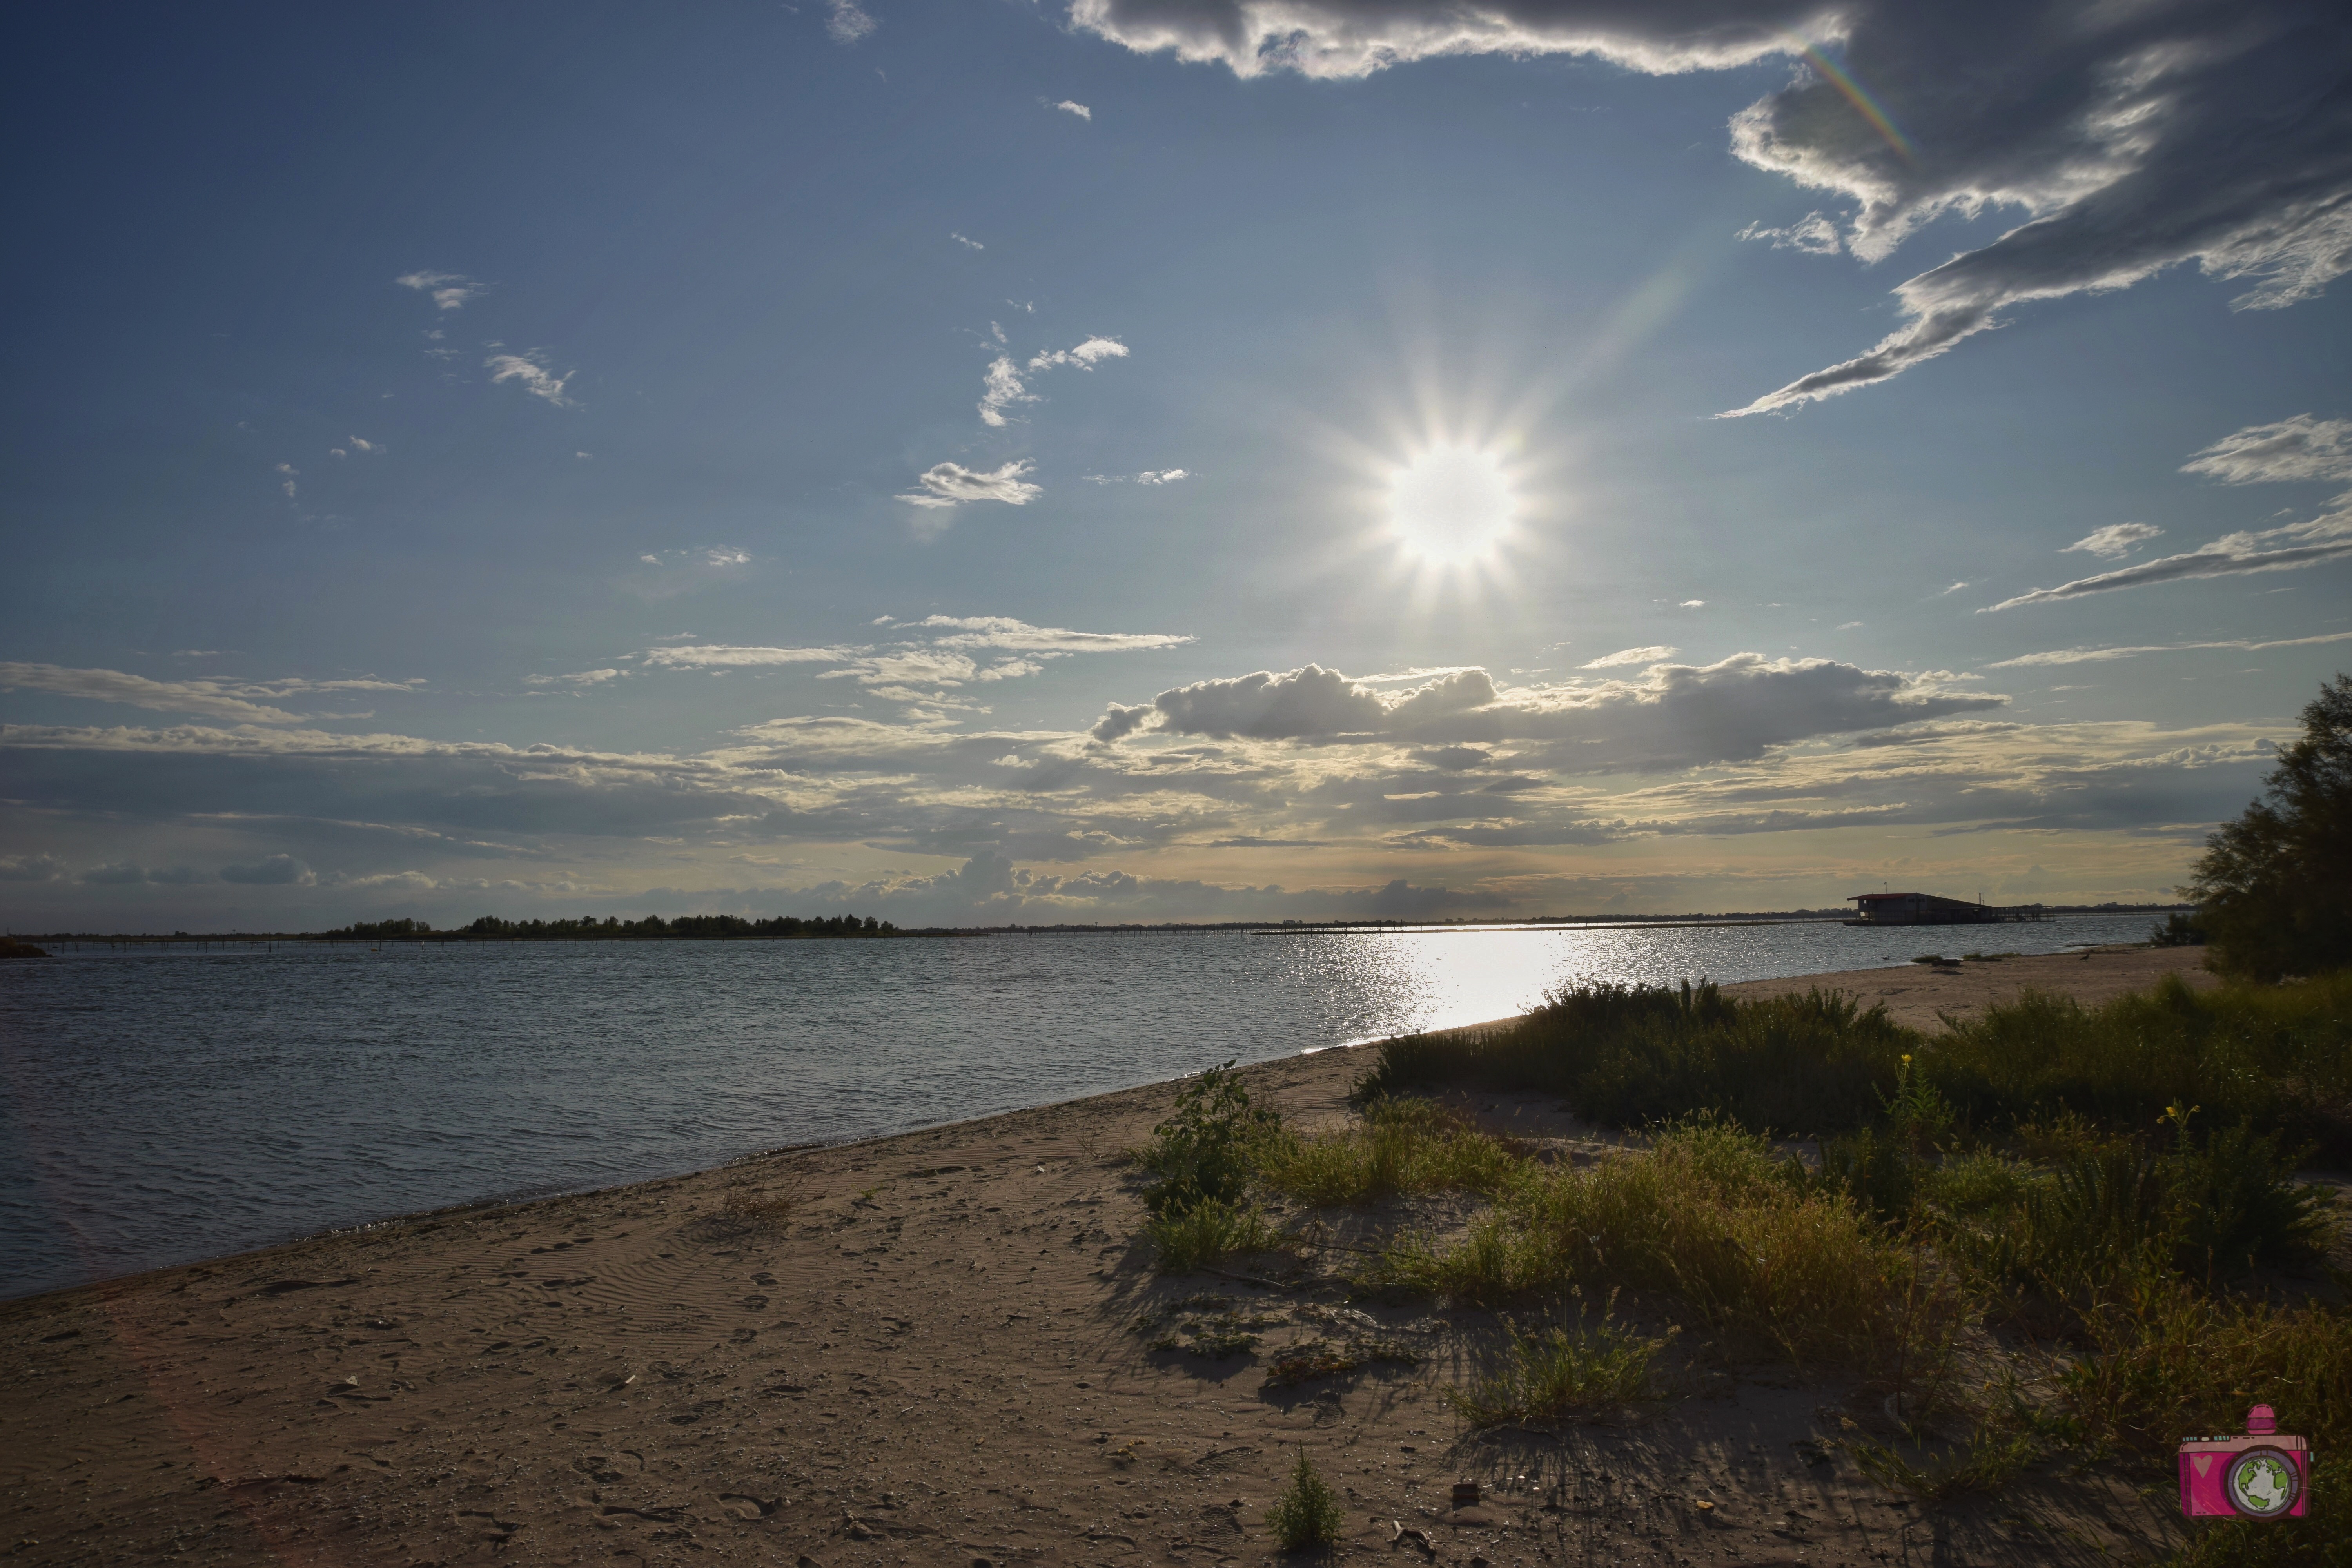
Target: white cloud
(2129,137)
(2116,539)
(2100,655)
(1813,233)
(1148,477)
(2290,547)
(287,484)
(848,22)
(1080,110)
(534,375)
(2297,449)
(1002,389)
(952,484)
(1948,592)
(1004,632)
(1623,655)
(1849,626)
(1692,604)
(1084,356)
(583,678)
(450,291)
(962,241)
(721,656)
(213,699)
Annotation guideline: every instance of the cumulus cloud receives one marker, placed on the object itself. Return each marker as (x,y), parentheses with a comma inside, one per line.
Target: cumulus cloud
(952,484)
(2099,654)
(1672,716)
(2116,539)
(2130,138)
(1813,233)
(966,241)
(530,371)
(31,869)
(848,22)
(2297,449)
(1080,110)
(271,871)
(1631,656)
(287,484)
(450,291)
(211,699)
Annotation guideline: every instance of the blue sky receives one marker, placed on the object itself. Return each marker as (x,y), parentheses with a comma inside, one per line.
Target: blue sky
(997,462)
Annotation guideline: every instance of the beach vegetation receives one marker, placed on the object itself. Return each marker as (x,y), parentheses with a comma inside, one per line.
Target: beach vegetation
(767,1207)
(1629,1055)
(2273,889)
(1406,1144)
(1207,1233)
(1549,1373)
(1307,1513)
(1207,1151)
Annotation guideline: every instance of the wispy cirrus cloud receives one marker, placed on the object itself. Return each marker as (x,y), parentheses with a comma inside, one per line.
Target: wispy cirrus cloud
(1625,655)
(212,699)
(2297,449)
(2116,539)
(450,291)
(2100,655)
(847,22)
(952,484)
(529,370)
(1148,477)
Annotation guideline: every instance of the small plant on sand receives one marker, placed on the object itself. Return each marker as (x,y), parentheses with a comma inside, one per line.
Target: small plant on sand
(1307,1514)
(1553,1373)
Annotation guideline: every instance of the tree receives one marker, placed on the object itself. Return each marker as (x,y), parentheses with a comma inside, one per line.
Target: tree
(2275,885)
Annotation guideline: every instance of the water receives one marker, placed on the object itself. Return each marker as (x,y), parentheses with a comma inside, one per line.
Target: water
(163,1106)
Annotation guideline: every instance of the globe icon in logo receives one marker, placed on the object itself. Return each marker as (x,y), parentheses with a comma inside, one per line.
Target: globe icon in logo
(2262,1483)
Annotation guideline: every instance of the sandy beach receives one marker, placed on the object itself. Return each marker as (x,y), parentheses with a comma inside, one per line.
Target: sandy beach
(922,1348)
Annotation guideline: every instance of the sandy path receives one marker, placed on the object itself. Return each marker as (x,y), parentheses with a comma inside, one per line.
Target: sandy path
(933,1362)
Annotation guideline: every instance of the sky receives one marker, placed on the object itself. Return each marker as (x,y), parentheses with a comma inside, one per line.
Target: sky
(1104,460)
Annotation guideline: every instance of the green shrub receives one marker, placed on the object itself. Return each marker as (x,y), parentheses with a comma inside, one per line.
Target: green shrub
(1207,1151)
(1306,1514)
(1631,1055)
(2278,1056)
(2274,887)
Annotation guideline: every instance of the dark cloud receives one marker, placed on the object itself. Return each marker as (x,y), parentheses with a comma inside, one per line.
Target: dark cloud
(2131,138)
(270,870)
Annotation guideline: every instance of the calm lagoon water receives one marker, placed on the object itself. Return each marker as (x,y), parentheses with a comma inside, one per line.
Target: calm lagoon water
(162,1106)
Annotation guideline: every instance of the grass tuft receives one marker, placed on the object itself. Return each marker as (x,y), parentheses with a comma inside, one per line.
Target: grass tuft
(1206,1234)
(1558,1372)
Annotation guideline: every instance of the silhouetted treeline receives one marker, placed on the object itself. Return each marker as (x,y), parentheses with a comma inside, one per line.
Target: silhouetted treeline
(588,928)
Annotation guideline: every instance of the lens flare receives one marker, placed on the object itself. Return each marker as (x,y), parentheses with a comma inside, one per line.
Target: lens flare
(1451,505)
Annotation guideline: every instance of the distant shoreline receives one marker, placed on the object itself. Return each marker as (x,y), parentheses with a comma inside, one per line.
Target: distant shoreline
(1249,928)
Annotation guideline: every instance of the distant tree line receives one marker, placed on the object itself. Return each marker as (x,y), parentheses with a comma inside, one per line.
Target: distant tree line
(588,928)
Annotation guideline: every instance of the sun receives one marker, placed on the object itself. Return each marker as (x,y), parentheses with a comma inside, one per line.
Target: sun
(1451,505)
